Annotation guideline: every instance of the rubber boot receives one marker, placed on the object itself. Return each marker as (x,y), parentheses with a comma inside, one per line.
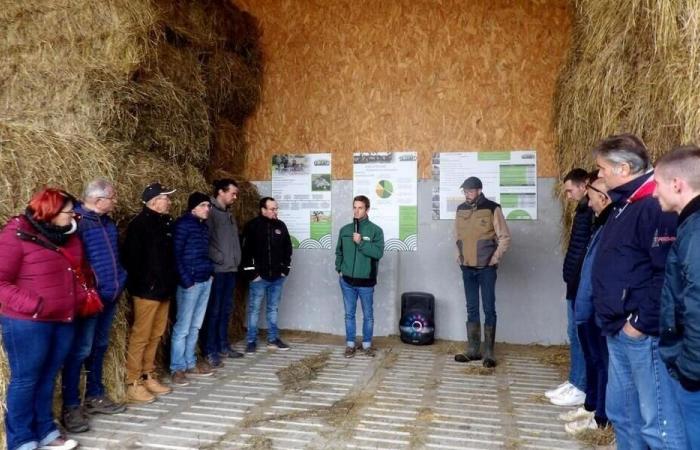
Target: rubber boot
(473,344)
(489,340)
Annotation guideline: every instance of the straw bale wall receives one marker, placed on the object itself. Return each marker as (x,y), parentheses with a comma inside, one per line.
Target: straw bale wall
(427,75)
(129,90)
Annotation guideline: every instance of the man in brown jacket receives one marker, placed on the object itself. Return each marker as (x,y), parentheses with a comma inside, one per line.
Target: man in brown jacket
(482,238)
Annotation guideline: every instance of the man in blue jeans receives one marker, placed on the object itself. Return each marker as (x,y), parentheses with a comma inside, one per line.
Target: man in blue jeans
(572,391)
(194,270)
(100,240)
(267,258)
(481,238)
(357,254)
(627,276)
(678,190)
(225,252)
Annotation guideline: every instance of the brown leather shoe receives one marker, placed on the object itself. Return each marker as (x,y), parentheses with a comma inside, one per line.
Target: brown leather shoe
(200,371)
(179,379)
(349,352)
(136,393)
(154,387)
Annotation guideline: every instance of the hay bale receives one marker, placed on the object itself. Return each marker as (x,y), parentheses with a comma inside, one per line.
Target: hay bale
(233,86)
(31,158)
(228,152)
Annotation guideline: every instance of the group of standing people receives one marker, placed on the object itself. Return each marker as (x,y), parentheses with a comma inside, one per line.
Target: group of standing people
(63,272)
(633,291)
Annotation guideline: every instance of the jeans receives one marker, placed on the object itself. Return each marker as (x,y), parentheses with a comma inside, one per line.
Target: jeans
(689,403)
(595,353)
(257,291)
(350,294)
(89,348)
(639,400)
(191,306)
(218,313)
(577,364)
(483,279)
(35,352)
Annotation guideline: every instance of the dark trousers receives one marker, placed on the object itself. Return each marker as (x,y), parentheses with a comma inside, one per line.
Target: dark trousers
(484,280)
(595,354)
(218,315)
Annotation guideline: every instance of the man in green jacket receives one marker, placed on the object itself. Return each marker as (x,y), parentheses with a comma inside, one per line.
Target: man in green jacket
(360,247)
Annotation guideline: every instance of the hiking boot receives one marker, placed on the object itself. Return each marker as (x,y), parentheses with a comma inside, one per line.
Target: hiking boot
(60,443)
(489,342)
(200,371)
(250,349)
(230,352)
(277,344)
(136,393)
(369,351)
(179,379)
(473,344)
(214,362)
(349,352)
(74,420)
(578,426)
(154,386)
(103,405)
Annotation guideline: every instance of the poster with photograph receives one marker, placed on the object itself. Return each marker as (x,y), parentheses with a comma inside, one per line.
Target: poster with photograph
(389,180)
(509,178)
(301,184)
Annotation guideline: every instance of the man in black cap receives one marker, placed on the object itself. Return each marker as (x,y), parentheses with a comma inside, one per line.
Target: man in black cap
(482,237)
(149,260)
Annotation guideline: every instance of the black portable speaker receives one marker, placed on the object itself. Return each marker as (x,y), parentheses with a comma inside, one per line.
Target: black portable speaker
(417,324)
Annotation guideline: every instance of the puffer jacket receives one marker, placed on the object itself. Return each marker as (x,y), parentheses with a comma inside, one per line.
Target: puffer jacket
(628,270)
(191,238)
(679,345)
(101,243)
(578,241)
(37,283)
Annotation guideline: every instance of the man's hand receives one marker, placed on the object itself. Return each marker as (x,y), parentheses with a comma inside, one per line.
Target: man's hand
(631,331)
(356,238)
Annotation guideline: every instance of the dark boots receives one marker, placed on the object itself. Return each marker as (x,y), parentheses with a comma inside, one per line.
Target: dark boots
(489,339)
(473,344)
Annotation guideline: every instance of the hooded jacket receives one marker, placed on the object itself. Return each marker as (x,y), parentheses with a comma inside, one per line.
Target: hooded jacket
(481,232)
(149,256)
(101,243)
(628,270)
(267,248)
(224,241)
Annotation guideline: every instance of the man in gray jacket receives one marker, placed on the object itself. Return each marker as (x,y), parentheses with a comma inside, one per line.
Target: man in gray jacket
(225,252)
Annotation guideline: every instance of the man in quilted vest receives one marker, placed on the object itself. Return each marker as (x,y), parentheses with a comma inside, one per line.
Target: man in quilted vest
(482,237)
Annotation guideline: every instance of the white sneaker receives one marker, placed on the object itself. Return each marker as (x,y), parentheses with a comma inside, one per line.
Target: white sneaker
(570,397)
(576,414)
(558,390)
(574,428)
(60,443)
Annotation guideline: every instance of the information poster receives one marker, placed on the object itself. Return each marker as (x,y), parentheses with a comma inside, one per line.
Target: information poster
(389,180)
(301,184)
(509,178)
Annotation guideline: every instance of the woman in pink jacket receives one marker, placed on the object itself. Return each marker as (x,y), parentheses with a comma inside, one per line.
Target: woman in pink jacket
(39,298)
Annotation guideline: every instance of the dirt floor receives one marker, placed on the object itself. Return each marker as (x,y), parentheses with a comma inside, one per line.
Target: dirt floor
(407,397)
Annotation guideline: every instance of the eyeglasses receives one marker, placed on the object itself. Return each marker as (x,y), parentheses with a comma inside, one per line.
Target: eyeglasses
(590,186)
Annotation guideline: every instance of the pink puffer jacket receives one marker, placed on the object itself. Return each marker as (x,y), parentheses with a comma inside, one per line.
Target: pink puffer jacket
(37,283)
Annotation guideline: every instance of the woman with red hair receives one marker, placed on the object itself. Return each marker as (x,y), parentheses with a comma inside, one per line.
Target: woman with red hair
(39,299)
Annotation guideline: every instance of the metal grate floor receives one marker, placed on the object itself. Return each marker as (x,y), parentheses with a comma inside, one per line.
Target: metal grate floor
(404,398)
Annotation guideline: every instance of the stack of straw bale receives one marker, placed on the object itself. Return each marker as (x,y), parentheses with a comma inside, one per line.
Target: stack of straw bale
(129,90)
(634,66)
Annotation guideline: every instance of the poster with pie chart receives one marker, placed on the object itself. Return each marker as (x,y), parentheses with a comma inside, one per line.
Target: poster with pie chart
(390,181)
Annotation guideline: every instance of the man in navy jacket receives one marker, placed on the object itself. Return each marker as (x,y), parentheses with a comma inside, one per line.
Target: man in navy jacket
(194,269)
(627,276)
(100,241)
(678,191)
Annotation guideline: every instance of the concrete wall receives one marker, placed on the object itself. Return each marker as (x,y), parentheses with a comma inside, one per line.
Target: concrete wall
(529,290)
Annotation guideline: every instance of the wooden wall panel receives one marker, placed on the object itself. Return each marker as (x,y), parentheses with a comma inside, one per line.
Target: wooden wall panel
(424,75)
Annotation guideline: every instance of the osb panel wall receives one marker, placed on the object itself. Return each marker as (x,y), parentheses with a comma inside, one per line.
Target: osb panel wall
(425,75)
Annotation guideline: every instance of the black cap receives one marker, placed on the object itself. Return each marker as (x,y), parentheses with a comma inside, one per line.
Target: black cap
(154,190)
(195,199)
(472,183)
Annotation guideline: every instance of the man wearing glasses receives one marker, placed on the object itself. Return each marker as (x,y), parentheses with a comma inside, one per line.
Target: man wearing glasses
(100,241)
(267,255)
